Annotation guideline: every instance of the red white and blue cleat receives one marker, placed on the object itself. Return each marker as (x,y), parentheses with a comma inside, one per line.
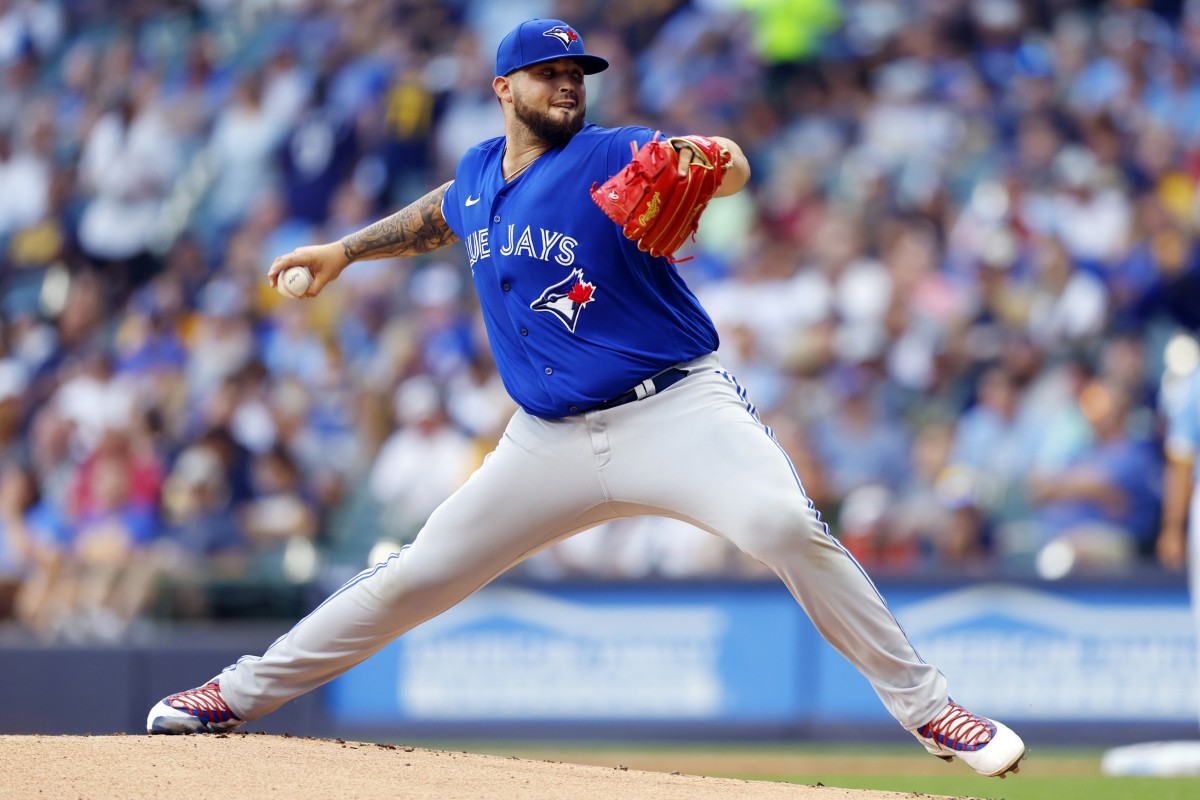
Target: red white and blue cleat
(199,710)
(987,746)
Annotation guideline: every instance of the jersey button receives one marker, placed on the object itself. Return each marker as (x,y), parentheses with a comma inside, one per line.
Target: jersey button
(506,286)
(496,218)
(574,409)
(549,371)
(524,331)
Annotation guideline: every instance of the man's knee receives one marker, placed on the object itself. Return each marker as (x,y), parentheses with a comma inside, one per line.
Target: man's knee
(784,530)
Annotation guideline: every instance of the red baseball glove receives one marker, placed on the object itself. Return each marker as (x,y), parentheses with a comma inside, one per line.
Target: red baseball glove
(656,206)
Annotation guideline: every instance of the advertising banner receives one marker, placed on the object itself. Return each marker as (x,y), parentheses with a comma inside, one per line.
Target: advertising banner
(604,653)
(747,654)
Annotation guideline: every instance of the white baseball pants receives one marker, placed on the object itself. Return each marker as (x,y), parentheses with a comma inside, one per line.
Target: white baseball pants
(696,452)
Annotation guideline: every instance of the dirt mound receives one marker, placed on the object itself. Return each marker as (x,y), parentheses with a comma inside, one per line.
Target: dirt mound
(257,766)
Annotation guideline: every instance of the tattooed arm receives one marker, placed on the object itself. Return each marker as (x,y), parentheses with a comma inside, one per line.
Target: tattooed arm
(418,228)
(415,229)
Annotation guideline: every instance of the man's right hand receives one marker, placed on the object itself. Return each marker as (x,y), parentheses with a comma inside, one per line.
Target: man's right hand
(324,261)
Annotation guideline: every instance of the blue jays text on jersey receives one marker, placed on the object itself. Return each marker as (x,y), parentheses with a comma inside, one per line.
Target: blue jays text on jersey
(575,313)
(543,244)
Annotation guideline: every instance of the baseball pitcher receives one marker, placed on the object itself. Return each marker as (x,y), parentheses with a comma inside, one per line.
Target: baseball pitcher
(570,232)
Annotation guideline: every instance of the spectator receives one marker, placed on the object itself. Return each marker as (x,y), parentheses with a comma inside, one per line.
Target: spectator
(36,25)
(25,174)
(128,165)
(868,529)
(995,444)
(222,340)
(859,444)
(420,464)
(1089,214)
(414,109)
(1069,306)
(1102,509)
(202,541)
(280,520)
(30,547)
(13,383)
(291,348)
(318,154)
(476,400)
(122,452)
(243,145)
(104,584)
(940,509)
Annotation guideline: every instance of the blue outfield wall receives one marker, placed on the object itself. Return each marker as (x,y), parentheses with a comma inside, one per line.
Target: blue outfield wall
(706,658)
(697,660)
(103,690)
(593,654)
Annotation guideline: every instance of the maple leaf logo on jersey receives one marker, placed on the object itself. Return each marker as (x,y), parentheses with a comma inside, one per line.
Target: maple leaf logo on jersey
(566,299)
(564,34)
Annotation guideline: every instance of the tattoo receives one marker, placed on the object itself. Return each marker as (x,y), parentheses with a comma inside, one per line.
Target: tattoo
(415,229)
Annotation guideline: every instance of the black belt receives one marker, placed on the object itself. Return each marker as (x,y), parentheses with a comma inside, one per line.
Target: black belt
(659,383)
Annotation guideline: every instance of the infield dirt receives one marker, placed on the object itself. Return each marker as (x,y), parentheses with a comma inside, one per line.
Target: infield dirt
(256,766)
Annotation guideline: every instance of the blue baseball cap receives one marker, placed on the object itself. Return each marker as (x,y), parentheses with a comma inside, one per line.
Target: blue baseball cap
(538,40)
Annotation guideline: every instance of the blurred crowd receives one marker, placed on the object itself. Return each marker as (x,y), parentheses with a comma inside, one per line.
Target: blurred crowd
(959,286)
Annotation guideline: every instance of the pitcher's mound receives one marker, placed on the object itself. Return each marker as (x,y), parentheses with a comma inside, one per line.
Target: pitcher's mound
(241,766)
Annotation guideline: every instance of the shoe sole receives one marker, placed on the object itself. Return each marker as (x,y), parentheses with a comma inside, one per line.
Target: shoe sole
(176,724)
(1013,768)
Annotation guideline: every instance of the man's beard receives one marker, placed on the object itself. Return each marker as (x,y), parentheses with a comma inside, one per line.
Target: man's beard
(553,130)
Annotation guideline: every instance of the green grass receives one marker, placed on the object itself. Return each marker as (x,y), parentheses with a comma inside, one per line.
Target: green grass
(1014,787)
(1047,774)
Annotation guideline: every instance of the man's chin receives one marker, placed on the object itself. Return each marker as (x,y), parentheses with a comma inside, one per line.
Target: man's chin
(560,135)
(568,123)
(557,127)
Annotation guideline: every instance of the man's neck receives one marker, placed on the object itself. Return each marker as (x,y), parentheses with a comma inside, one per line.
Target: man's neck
(519,155)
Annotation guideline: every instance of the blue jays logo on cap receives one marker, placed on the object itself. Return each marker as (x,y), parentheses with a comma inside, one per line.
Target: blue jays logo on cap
(566,299)
(564,34)
(538,40)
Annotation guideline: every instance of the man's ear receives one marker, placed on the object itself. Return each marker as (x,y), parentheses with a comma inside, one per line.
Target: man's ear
(503,88)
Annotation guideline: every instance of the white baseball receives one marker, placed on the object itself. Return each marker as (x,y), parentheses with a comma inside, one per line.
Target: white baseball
(294,282)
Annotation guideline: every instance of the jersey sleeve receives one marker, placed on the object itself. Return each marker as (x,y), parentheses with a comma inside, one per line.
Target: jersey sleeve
(452,210)
(1183,422)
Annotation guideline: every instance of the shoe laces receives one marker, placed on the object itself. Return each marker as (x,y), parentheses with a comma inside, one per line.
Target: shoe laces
(203,701)
(959,729)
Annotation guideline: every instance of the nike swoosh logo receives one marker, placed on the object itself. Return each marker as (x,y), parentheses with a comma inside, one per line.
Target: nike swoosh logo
(472,200)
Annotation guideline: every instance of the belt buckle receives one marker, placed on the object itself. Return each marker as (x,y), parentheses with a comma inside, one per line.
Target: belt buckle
(647,388)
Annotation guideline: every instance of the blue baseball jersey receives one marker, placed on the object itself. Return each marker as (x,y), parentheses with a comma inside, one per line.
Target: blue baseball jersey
(576,314)
(1183,423)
